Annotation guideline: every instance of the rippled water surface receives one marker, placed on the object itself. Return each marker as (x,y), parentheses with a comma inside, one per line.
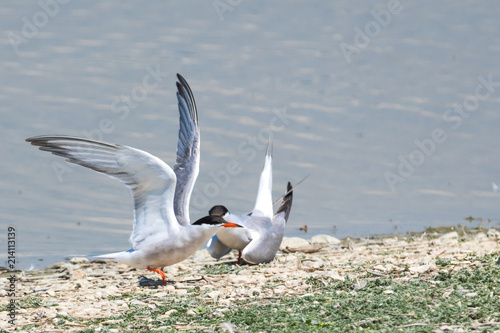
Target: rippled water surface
(384,106)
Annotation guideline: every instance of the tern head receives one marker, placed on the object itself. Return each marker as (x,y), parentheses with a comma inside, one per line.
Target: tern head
(218,210)
(216,221)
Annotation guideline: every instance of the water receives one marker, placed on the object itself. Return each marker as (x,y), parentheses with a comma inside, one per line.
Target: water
(346,119)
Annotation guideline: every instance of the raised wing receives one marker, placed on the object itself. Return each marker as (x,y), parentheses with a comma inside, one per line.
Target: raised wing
(188,151)
(286,205)
(264,201)
(150,180)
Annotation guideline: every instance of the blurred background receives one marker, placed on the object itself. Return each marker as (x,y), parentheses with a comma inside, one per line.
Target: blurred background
(391,107)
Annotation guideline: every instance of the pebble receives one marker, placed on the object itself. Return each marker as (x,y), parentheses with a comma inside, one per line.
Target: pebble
(390,241)
(77,275)
(480,236)
(181,292)
(325,239)
(380,268)
(293,243)
(449,237)
(241,279)
(79,260)
(214,294)
(419,269)
(493,234)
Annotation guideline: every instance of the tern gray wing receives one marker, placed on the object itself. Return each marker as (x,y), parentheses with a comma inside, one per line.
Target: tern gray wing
(188,151)
(150,180)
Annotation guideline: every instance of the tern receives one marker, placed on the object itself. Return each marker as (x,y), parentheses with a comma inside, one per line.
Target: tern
(162,233)
(260,238)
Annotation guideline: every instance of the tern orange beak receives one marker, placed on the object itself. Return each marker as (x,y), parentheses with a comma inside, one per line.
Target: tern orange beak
(231,225)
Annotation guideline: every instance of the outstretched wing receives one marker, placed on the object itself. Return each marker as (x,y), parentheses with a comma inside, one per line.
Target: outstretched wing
(286,205)
(264,201)
(150,179)
(188,151)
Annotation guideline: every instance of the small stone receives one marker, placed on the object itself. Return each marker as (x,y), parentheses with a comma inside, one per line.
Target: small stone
(449,236)
(480,236)
(190,312)
(169,312)
(313,265)
(390,241)
(224,302)
(59,265)
(214,294)
(181,292)
(179,285)
(101,295)
(79,260)
(470,295)
(336,276)
(241,279)
(51,292)
(254,291)
(380,268)
(325,239)
(293,242)
(122,268)
(419,269)
(182,267)
(169,288)
(77,275)
(389,292)
(493,234)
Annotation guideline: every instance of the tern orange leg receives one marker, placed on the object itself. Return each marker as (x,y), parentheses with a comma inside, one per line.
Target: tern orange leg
(159,271)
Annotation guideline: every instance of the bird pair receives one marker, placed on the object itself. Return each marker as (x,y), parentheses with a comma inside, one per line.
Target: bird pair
(162,233)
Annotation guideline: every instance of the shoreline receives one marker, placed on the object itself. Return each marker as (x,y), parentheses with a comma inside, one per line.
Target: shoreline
(79,294)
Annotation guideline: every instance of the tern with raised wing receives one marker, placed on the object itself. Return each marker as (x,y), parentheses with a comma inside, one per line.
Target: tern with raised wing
(260,238)
(162,233)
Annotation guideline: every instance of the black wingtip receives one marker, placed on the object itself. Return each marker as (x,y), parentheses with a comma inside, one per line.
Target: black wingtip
(185,91)
(286,204)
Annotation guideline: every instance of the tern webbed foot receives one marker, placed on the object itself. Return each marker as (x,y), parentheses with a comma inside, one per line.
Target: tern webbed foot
(159,271)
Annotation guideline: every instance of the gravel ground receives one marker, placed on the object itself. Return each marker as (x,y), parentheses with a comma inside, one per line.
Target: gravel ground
(85,291)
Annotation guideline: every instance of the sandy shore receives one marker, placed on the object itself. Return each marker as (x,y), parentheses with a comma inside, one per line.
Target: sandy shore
(87,291)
